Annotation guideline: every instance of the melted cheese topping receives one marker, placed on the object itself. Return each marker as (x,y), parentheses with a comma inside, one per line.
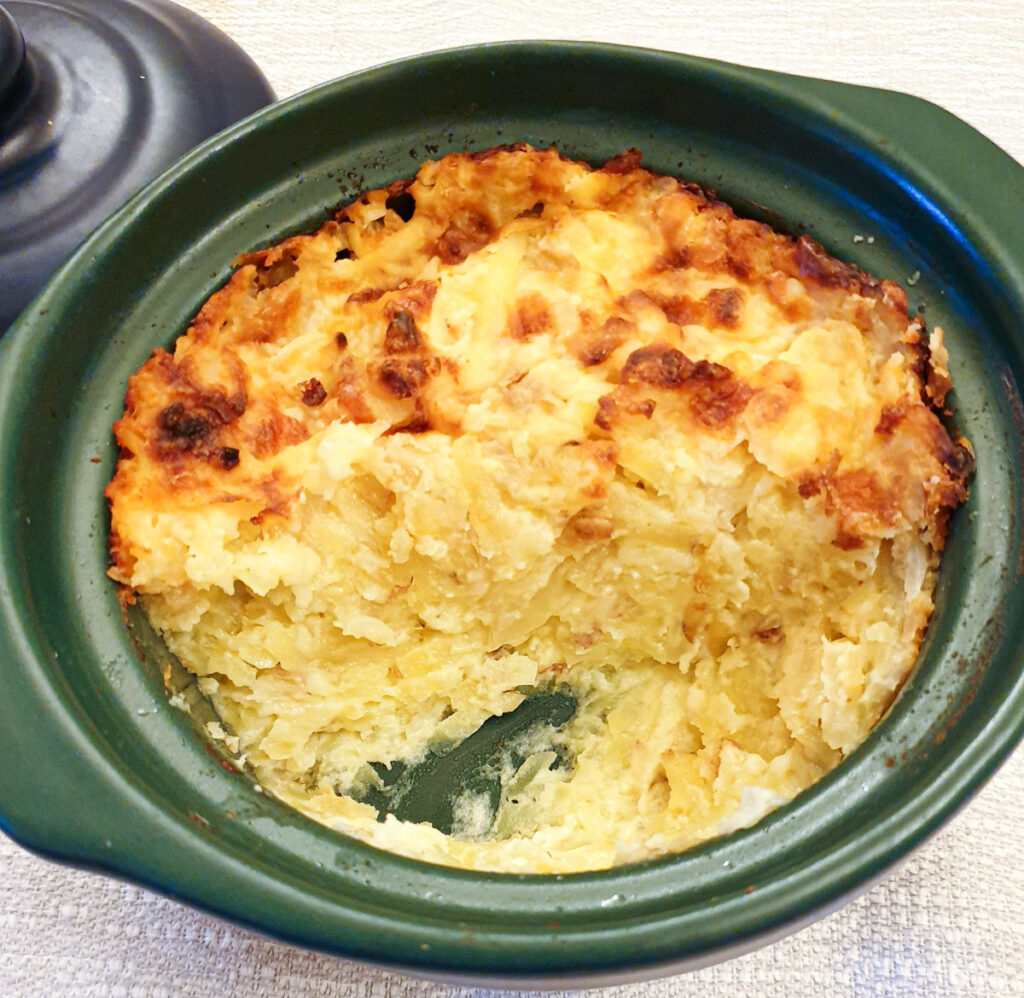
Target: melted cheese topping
(518,423)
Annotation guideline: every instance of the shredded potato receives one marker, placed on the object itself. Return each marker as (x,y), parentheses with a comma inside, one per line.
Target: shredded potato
(520,424)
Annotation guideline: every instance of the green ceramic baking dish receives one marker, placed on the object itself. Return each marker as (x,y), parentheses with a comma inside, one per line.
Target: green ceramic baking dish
(99,770)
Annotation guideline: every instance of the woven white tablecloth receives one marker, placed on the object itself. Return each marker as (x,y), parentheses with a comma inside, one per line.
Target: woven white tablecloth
(950,922)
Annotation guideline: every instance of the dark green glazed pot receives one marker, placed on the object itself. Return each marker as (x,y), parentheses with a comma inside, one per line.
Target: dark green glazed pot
(100,771)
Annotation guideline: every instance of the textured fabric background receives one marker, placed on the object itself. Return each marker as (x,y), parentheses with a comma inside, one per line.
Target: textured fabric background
(950,922)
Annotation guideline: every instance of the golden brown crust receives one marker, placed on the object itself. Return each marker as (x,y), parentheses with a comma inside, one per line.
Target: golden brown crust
(213,421)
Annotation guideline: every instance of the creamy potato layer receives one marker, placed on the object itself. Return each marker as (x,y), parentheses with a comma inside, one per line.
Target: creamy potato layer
(521,425)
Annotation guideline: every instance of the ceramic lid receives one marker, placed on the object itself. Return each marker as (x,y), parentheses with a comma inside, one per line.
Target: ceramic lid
(96,98)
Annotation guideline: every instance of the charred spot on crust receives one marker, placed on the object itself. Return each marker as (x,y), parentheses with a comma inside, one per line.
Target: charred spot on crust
(658,364)
(415,298)
(846,541)
(594,348)
(529,317)
(610,407)
(812,483)
(419,423)
(624,162)
(678,258)
(183,428)
(229,458)
(351,396)
(724,306)
(343,254)
(890,417)
(535,212)
(396,379)
(606,411)
(402,377)
(365,295)
(402,336)
(313,393)
(192,428)
(341,340)
(737,266)
(189,426)
(958,460)
(466,236)
(920,359)
(719,396)
(226,408)
(720,307)
(637,300)
(681,311)
(813,263)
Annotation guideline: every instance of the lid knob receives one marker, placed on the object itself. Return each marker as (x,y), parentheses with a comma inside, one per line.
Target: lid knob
(29,102)
(12,55)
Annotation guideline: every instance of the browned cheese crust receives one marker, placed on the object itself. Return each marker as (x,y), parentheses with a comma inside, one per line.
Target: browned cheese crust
(195,432)
(518,422)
